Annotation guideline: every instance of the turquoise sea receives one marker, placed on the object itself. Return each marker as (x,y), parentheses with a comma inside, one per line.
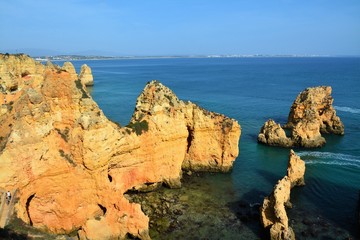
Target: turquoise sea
(252,90)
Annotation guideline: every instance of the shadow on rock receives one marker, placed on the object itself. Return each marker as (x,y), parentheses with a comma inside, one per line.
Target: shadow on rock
(6,233)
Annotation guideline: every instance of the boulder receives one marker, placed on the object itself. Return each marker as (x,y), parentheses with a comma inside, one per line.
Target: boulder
(272,134)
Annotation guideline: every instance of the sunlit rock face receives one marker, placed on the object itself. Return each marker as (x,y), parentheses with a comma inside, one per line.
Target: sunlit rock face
(72,166)
(273,210)
(86,76)
(311,114)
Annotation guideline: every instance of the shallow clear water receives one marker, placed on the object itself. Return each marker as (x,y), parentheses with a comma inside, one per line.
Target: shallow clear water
(252,90)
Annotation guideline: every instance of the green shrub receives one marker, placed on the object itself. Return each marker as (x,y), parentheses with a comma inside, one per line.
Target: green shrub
(67,157)
(139,127)
(81,88)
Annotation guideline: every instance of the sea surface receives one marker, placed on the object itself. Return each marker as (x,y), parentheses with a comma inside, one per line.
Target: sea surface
(252,90)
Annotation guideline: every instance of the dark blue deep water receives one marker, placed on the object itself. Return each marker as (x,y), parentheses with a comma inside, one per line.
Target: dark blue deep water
(252,90)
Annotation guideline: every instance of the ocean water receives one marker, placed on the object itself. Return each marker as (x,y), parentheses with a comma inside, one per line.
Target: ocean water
(252,90)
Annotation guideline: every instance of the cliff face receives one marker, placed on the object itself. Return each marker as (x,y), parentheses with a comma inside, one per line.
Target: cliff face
(310,115)
(273,211)
(72,165)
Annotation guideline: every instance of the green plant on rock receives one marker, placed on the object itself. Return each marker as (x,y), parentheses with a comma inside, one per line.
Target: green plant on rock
(139,127)
(81,88)
(67,157)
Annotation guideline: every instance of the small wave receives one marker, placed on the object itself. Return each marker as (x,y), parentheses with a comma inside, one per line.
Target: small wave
(348,109)
(330,158)
(336,163)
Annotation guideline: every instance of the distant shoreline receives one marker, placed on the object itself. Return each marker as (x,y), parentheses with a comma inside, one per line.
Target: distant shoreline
(80,57)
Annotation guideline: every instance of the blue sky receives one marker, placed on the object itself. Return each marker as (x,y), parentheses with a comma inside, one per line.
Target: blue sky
(168,27)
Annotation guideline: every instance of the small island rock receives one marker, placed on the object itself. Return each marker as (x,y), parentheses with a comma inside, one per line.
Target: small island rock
(310,115)
(86,76)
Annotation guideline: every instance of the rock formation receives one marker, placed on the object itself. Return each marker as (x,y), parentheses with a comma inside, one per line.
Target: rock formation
(273,212)
(310,115)
(86,76)
(272,134)
(72,166)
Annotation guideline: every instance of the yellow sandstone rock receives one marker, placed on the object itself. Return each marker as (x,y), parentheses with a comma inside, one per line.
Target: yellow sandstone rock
(86,76)
(72,165)
(273,212)
(311,114)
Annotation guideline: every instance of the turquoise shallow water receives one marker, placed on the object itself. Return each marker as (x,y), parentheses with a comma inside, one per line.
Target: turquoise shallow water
(252,90)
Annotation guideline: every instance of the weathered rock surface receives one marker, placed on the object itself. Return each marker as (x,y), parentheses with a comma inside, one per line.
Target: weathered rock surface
(72,165)
(273,212)
(86,76)
(274,135)
(316,104)
(310,115)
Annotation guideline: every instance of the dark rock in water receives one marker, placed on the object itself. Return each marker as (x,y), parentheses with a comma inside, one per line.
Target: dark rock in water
(313,232)
(243,204)
(244,218)
(305,233)
(307,222)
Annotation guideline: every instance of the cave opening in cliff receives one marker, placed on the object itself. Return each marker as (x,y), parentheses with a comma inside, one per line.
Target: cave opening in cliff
(189,138)
(103,209)
(110,178)
(27,208)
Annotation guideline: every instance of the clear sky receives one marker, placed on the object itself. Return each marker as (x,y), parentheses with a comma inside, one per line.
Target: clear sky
(168,27)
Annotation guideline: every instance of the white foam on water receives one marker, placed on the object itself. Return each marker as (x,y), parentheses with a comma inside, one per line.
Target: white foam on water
(347,109)
(330,158)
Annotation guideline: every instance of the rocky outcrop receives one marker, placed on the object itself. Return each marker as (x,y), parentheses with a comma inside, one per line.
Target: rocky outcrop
(310,115)
(86,76)
(316,104)
(72,165)
(273,211)
(274,135)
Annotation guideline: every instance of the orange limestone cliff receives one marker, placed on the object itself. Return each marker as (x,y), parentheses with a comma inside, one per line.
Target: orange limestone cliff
(72,166)
(311,114)
(273,212)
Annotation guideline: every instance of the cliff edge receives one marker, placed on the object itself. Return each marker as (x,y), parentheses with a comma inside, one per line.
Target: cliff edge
(72,166)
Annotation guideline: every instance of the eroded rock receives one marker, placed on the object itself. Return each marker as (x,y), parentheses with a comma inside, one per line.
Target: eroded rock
(72,165)
(274,135)
(310,115)
(86,76)
(273,210)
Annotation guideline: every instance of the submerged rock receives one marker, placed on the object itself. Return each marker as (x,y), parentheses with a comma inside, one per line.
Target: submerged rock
(72,165)
(310,115)
(273,212)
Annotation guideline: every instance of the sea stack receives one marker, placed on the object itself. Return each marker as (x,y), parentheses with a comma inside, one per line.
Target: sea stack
(71,165)
(273,212)
(311,114)
(86,76)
